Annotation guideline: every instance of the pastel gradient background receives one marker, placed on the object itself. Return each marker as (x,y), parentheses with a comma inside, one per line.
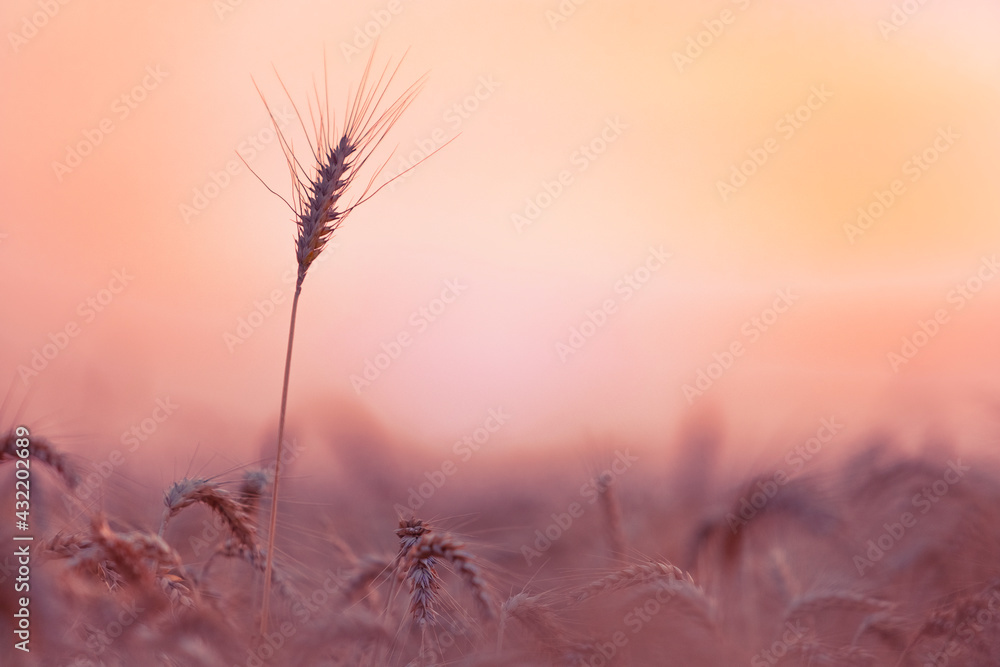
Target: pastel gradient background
(553,86)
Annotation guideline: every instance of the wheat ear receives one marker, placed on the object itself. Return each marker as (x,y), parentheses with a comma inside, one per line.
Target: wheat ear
(319,209)
(187,492)
(638,574)
(811,603)
(136,558)
(433,546)
(949,617)
(43,450)
(420,550)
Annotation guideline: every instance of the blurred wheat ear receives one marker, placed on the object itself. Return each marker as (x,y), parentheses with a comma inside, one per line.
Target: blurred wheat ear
(319,203)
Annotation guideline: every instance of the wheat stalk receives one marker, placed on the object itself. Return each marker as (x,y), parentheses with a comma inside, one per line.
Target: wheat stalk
(948,617)
(319,208)
(433,546)
(187,492)
(608,492)
(635,575)
(423,551)
(420,551)
(424,583)
(823,601)
(137,558)
(43,450)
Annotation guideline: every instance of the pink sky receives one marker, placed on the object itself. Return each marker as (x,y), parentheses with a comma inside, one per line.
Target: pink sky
(164,94)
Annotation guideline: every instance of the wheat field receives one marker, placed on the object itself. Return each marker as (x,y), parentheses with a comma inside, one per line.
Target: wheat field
(882,559)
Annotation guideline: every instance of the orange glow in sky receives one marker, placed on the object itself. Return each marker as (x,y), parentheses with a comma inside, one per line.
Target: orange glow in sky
(780,210)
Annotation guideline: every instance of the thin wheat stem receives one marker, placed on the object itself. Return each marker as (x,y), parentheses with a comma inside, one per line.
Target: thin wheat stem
(606,487)
(272,526)
(320,207)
